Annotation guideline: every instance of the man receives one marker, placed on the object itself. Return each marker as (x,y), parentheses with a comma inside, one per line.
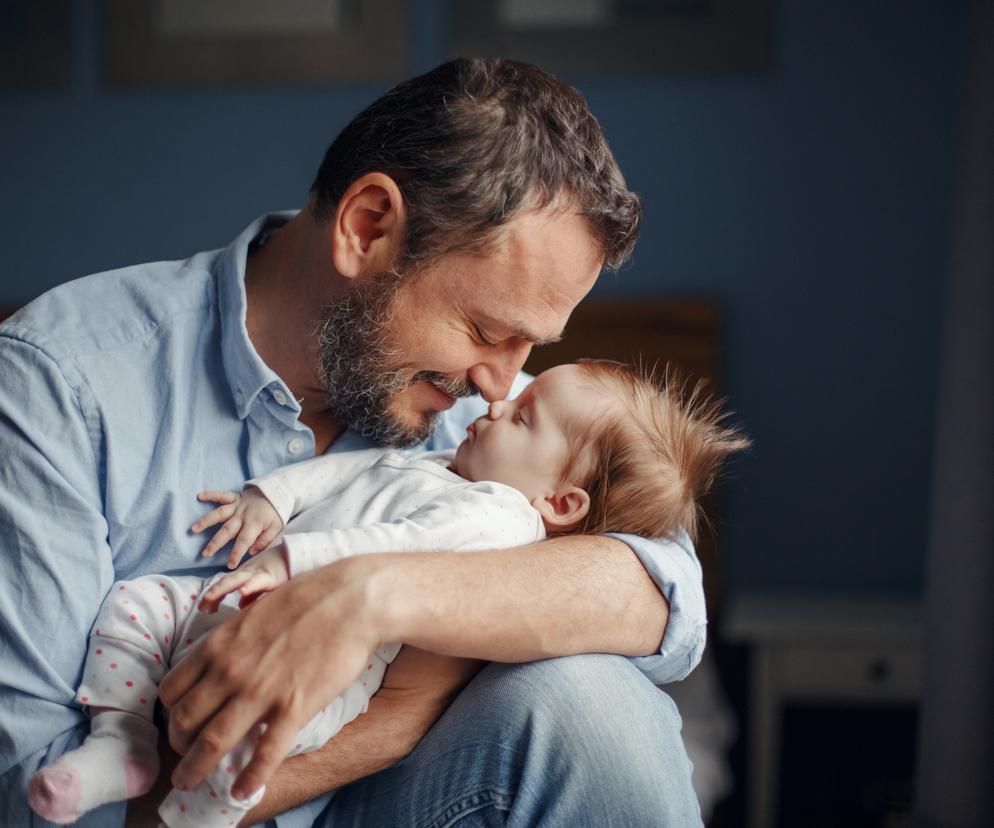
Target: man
(453,225)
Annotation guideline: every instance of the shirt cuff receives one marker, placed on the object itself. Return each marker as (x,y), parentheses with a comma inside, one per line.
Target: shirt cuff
(277,494)
(307,551)
(673,566)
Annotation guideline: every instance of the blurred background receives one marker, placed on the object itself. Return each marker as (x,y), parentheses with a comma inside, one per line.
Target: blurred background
(798,165)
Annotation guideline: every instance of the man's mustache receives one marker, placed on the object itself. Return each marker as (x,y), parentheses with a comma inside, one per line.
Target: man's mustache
(448,385)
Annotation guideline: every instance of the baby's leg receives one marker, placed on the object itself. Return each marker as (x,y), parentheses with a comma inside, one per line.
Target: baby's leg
(128,654)
(118,760)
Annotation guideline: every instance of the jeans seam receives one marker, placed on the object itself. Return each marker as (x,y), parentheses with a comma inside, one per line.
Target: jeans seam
(485,797)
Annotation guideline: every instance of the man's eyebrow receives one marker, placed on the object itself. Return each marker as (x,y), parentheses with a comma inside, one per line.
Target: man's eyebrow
(520,331)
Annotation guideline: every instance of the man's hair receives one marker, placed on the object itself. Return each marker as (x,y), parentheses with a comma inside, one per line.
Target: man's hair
(471,144)
(648,463)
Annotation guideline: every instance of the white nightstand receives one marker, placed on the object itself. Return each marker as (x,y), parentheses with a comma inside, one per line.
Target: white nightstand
(818,648)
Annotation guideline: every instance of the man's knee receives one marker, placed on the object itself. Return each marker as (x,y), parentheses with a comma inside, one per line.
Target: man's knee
(594,724)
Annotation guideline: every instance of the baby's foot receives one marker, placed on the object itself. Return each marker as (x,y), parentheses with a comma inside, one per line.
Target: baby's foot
(54,793)
(118,760)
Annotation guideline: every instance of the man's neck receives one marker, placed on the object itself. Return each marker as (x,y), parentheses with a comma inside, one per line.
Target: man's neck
(284,279)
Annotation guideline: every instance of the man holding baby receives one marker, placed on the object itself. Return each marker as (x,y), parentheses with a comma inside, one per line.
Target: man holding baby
(453,225)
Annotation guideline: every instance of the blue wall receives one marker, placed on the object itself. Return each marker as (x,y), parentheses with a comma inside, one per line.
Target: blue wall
(813,202)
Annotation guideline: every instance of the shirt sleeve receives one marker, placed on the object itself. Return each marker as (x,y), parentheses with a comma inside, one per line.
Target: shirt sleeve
(57,569)
(468,518)
(674,567)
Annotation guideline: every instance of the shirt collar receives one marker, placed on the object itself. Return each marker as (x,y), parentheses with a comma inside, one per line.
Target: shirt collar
(247,373)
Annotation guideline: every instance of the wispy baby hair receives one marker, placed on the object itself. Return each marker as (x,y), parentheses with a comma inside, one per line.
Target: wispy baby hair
(651,459)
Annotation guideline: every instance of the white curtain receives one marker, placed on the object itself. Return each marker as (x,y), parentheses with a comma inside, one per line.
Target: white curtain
(955,782)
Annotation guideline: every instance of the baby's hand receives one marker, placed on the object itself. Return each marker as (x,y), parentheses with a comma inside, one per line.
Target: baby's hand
(249,516)
(262,573)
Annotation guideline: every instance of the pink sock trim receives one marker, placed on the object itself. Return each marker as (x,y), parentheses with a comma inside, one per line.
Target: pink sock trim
(138,777)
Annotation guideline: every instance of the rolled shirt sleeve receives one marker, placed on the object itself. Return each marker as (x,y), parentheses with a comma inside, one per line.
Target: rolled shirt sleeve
(675,569)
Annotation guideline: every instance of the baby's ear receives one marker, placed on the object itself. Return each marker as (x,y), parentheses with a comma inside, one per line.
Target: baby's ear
(564,509)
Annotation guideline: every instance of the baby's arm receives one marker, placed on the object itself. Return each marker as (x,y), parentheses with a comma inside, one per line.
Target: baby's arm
(465,518)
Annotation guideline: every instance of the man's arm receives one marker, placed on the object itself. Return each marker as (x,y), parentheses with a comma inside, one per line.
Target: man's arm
(56,567)
(559,597)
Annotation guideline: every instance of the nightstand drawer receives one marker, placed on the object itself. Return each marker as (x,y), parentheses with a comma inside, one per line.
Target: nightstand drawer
(858,673)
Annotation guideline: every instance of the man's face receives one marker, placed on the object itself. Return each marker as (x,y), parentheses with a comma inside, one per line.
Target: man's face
(396,352)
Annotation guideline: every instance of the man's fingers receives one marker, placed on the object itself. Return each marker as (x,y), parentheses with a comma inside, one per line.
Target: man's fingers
(216,739)
(270,751)
(181,678)
(191,718)
(218,515)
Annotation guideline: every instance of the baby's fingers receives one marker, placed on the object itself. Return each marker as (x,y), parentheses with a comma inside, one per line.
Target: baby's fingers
(228,584)
(223,535)
(258,583)
(269,534)
(218,515)
(213,496)
(246,540)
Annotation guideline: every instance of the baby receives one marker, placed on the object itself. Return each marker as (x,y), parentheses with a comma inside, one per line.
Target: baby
(591,447)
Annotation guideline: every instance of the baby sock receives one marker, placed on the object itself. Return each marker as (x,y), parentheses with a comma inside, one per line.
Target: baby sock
(118,760)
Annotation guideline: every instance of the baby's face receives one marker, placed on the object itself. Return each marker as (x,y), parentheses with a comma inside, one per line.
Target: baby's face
(523,442)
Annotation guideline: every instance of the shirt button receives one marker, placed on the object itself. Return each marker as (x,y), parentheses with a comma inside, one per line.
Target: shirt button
(279,396)
(239,398)
(295,446)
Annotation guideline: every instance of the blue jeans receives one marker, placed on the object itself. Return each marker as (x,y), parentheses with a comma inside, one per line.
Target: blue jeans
(577,741)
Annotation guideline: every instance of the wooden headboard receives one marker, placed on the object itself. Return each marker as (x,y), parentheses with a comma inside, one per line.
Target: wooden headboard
(682,332)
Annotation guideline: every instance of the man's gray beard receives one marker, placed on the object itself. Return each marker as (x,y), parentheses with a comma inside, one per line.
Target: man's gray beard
(362,370)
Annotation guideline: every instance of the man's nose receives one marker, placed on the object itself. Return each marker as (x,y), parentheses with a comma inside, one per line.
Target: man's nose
(497,408)
(494,377)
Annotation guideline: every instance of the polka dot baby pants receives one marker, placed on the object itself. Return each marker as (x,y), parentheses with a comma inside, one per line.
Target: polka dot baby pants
(147,625)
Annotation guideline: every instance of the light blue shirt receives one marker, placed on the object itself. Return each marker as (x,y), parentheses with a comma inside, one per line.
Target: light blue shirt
(122,395)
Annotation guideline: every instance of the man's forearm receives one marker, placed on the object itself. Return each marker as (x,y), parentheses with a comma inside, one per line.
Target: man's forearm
(559,597)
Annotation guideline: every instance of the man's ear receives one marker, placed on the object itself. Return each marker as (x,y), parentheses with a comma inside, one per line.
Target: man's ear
(564,509)
(368,230)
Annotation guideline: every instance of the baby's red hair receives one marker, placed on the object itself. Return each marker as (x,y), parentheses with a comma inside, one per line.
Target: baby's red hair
(648,463)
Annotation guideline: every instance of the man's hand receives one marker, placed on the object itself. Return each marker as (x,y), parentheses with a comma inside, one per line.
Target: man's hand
(259,575)
(248,517)
(278,662)
(416,690)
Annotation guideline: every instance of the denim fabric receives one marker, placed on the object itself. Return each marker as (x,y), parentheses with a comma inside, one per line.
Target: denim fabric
(122,395)
(577,741)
